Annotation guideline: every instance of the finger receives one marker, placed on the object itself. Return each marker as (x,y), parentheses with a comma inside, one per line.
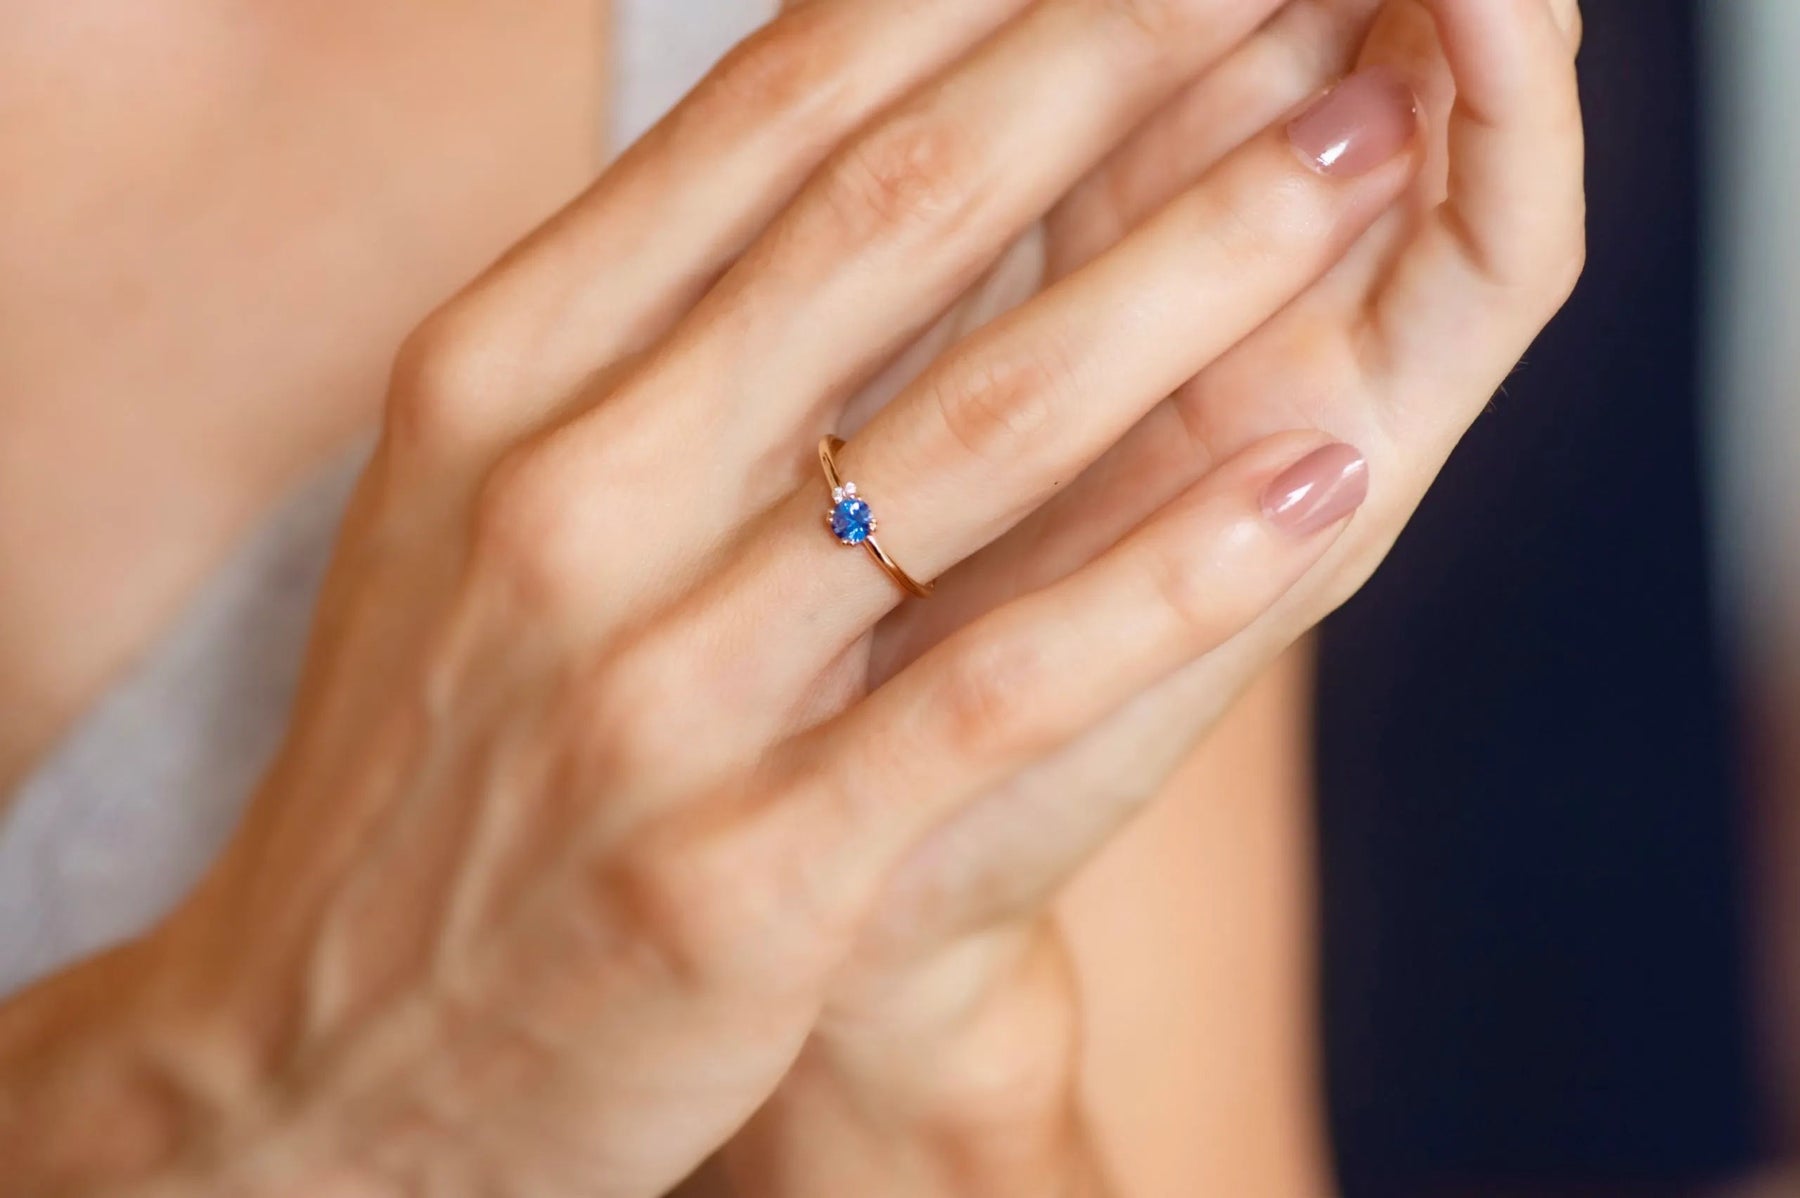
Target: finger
(1569,20)
(1454,335)
(1298,50)
(1293,54)
(1007,854)
(1503,250)
(990,433)
(1298,370)
(1406,320)
(1024,681)
(1260,385)
(994,429)
(1292,373)
(609,273)
(1290,57)
(903,220)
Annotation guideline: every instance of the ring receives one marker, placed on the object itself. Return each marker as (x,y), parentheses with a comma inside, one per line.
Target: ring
(852,521)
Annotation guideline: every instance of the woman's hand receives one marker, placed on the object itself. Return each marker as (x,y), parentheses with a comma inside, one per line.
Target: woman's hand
(594,787)
(1396,349)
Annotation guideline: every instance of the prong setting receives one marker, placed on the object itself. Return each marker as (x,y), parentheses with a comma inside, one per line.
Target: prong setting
(851,520)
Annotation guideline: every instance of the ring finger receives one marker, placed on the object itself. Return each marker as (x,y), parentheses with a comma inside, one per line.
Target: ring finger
(992,431)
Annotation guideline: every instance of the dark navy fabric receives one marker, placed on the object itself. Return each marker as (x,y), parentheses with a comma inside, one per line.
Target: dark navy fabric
(1532,901)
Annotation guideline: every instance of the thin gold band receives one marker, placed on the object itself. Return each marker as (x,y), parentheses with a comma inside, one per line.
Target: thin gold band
(828,448)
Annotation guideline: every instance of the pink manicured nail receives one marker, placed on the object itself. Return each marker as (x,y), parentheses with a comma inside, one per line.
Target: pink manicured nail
(1357,125)
(1319,490)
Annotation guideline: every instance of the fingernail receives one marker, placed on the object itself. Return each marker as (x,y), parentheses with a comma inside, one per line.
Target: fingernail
(1319,490)
(1357,125)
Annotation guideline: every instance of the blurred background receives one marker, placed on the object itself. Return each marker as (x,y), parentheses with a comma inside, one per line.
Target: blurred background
(1558,733)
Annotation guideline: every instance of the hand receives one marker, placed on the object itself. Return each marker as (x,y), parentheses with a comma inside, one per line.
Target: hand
(588,799)
(577,818)
(1418,311)
(1398,348)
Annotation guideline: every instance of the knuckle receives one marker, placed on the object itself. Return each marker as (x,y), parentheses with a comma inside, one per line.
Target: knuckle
(442,375)
(984,1087)
(1154,22)
(1540,284)
(785,66)
(1569,18)
(993,698)
(916,169)
(1186,582)
(992,405)
(715,909)
(1572,266)
(1251,219)
(521,532)
(674,906)
(634,736)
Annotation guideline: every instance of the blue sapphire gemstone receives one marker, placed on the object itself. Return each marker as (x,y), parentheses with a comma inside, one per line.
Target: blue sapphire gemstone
(851,520)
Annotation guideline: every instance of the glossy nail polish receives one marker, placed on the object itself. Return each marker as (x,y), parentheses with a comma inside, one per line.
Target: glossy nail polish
(1361,123)
(1319,490)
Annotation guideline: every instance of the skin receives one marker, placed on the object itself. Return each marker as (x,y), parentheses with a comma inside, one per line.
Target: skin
(205,366)
(128,472)
(478,829)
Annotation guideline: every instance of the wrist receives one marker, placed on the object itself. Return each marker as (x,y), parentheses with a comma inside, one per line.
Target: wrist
(130,1074)
(961,1079)
(97,1093)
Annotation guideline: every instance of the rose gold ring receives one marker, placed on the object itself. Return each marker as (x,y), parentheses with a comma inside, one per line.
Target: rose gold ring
(853,523)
